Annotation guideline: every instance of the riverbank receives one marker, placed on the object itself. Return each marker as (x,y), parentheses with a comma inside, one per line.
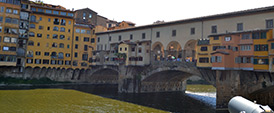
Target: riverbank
(27,81)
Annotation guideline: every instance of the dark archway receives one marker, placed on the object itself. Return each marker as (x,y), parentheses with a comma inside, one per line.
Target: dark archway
(158,51)
(189,50)
(174,50)
(104,76)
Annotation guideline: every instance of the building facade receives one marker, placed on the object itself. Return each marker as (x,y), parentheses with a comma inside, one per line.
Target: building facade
(178,39)
(9,32)
(50,36)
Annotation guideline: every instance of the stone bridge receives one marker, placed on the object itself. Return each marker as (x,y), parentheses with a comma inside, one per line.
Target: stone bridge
(163,76)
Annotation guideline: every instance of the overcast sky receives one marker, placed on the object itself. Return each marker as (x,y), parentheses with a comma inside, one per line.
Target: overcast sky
(143,12)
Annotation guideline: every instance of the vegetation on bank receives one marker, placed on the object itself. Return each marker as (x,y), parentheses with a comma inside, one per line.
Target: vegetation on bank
(10,80)
(200,88)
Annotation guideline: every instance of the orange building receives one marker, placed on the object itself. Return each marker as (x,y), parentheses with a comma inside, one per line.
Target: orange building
(241,50)
(122,25)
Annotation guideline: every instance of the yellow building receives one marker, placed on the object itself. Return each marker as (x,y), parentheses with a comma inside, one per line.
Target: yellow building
(50,36)
(203,53)
(9,31)
(83,45)
(261,49)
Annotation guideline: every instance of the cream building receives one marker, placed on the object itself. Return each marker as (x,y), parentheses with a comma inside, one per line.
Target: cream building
(178,38)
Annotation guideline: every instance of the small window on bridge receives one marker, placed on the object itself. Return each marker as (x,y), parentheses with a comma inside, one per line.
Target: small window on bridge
(204,60)
(203,48)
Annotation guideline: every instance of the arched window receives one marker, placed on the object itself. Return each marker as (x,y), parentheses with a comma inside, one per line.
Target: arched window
(30,43)
(55,28)
(53,54)
(61,55)
(62,29)
(33,18)
(31,34)
(54,44)
(29,53)
(61,45)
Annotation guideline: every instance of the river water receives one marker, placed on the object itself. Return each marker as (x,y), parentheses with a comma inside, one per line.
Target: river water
(176,102)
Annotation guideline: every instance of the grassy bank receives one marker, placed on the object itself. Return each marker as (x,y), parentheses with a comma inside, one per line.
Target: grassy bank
(200,88)
(10,80)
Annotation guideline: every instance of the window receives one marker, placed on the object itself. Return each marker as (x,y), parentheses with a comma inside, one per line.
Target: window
(240,26)
(48,11)
(31,43)
(131,36)
(76,38)
(70,14)
(84,15)
(88,32)
(49,19)
(216,38)
(245,47)
(74,63)
(33,9)
(8,20)
(2,9)
(269,23)
(214,29)
(48,36)
(76,46)
(55,28)
(39,35)
(262,61)
(63,13)
(69,22)
(60,62)
(245,36)
(158,34)
(38,44)
(14,21)
(272,45)
(56,12)
(92,40)
(85,47)
(41,27)
(33,18)
(37,61)
(31,34)
(32,26)
(1,19)
(192,31)
(62,29)
(24,6)
(77,30)
(53,62)
(67,62)
(86,39)
(54,45)
(143,35)
(203,48)
(61,45)
(48,28)
(203,60)
(261,47)
(55,36)
(83,31)
(67,55)
(173,33)
(0,30)
(63,22)
(69,30)
(227,38)
(8,10)
(68,46)
(120,38)
(263,35)
(109,38)
(38,53)
(45,61)
(90,15)
(56,21)
(60,55)
(98,39)
(75,54)
(85,57)
(255,35)
(140,50)
(62,36)
(46,53)
(40,10)
(7,39)
(15,11)
(29,61)
(219,58)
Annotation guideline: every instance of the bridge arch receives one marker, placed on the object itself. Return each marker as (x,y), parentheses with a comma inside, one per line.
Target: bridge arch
(104,75)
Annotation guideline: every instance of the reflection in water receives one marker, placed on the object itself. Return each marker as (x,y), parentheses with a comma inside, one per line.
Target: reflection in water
(171,101)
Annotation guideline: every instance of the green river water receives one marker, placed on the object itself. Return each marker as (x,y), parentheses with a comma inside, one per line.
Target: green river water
(64,101)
